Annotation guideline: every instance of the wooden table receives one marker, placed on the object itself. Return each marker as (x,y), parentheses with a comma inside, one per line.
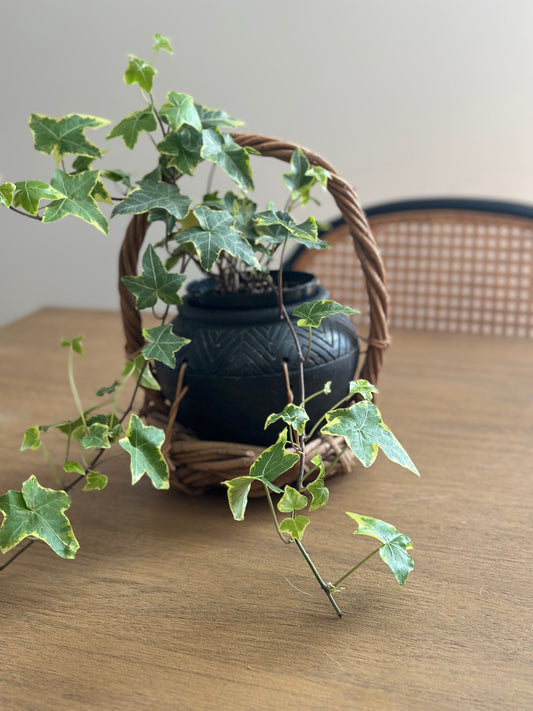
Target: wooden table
(170,604)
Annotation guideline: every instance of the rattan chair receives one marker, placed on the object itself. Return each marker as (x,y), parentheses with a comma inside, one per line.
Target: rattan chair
(452,265)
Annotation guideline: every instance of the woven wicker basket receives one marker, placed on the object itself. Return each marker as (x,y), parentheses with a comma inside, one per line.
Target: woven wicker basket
(197,465)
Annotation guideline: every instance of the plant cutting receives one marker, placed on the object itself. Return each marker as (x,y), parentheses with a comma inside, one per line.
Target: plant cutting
(234,244)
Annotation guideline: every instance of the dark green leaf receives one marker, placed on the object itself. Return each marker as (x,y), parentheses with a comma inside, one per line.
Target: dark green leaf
(140,72)
(38,512)
(151,194)
(396,544)
(144,443)
(130,127)
(276,225)
(65,136)
(364,431)
(213,118)
(184,148)
(162,344)
(117,176)
(294,527)
(215,234)
(78,200)
(109,390)
(221,149)
(312,313)
(293,415)
(291,500)
(154,283)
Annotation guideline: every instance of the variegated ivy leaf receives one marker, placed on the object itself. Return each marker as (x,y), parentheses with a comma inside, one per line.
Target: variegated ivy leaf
(31,439)
(143,443)
(319,492)
(294,527)
(154,283)
(65,136)
(291,500)
(364,431)
(72,467)
(302,177)
(270,464)
(139,368)
(276,226)
(30,192)
(220,148)
(184,147)
(162,44)
(312,313)
(38,512)
(216,234)
(293,415)
(95,481)
(213,118)
(130,126)
(362,387)
(395,544)
(7,191)
(162,344)
(151,194)
(97,437)
(180,110)
(77,201)
(140,72)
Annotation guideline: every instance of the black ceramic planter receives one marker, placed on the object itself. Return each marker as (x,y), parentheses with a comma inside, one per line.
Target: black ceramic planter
(234,361)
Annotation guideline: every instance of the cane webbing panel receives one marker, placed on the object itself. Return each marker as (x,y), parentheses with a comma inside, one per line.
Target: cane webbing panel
(447,270)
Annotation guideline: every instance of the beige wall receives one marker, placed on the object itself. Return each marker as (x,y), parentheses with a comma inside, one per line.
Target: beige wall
(405,97)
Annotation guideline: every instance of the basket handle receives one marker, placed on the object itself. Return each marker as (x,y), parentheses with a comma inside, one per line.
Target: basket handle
(364,244)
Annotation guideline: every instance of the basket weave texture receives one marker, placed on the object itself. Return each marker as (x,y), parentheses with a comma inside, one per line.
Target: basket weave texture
(197,465)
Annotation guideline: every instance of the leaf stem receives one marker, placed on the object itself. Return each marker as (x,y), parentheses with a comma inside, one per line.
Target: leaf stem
(273,511)
(352,570)
(325,587)
(73,388)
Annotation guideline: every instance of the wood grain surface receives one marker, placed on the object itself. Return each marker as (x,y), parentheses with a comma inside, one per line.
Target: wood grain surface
(170,604)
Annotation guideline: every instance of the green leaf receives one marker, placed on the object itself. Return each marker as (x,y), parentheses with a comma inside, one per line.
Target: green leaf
(109,390)
(31,439)
(38,512)
(74,343)
(298,182)
(276,225)
(135,368)
(274,461)
(72,467)
(319,492)
(396,544)
(151,194)
(144,443)
(95,481)
(162,44)
(162,344)
(184,148)
(30,192)
(213,118)
(181,110)
(6,194)
(291,500)
(311,313)
(364,431)
(221,149)
(97,437)
(320,175)
(78,200)
(295,527)
(293,415)
(117,176)
(215,234)
(65,136)
(362,387)
(140,72)
(238,489)
(130,126)
(154,283)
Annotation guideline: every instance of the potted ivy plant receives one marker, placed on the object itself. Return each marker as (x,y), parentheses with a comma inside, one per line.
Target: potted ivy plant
(278,324)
